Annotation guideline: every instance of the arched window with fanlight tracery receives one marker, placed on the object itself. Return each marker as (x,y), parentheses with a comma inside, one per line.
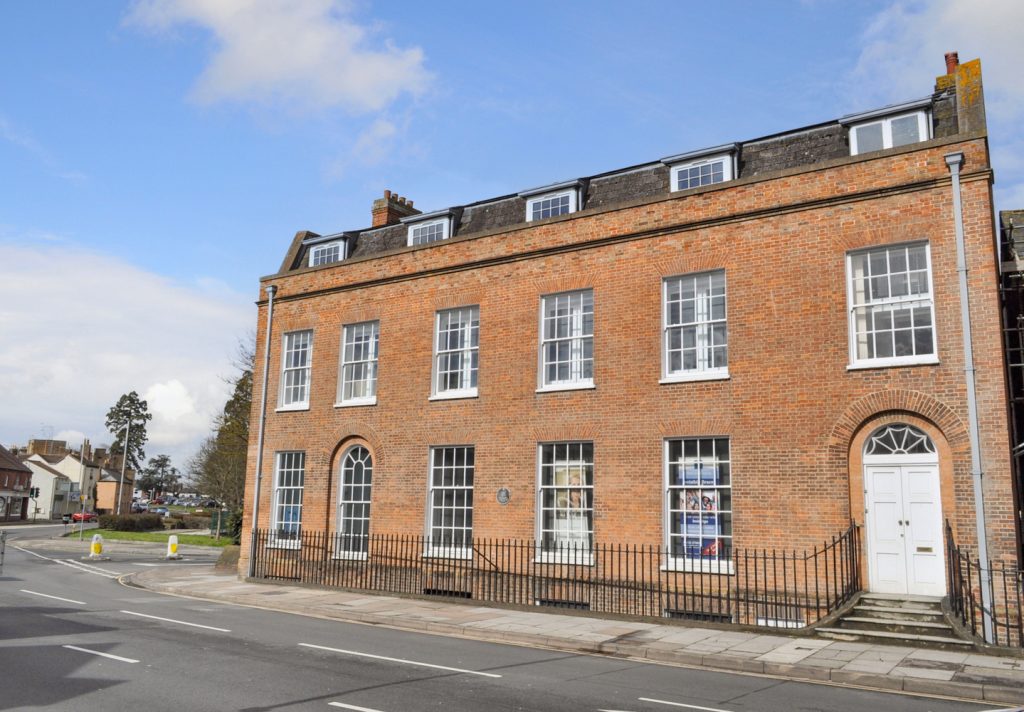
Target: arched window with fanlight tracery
(354,503)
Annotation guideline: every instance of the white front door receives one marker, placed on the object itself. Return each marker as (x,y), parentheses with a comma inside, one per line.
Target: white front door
(904,529)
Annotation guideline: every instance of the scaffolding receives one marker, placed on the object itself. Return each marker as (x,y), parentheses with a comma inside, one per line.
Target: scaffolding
(1011,291)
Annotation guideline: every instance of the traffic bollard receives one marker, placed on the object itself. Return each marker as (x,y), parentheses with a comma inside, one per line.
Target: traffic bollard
(172,547)
(96,548)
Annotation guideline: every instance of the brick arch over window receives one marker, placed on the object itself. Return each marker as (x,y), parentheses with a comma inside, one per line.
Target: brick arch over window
(350,436)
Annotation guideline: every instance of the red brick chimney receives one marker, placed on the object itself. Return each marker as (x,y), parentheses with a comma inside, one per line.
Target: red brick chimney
(952,62)
(390,209)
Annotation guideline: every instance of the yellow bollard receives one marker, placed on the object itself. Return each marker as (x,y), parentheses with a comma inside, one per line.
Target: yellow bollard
(96,547)
(172,547)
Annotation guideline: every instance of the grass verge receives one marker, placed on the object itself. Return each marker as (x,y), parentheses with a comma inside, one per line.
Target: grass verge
(159,537)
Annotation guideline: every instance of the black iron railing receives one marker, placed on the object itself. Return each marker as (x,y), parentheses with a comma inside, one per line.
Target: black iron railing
(745,586)
(1005,593)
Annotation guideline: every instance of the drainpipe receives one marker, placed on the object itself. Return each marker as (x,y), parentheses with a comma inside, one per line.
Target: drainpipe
(954,161)
(271,291)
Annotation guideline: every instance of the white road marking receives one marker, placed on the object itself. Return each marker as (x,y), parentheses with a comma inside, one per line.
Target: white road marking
(71,563)
(38,556)
(56,598)
(680,704)
(89,568)
(171,620)
(399,660)
(96,652)
(352,707)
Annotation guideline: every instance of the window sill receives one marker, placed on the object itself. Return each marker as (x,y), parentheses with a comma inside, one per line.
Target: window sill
(699,566)
(556,387)
(288,408)
(694,377)
(454,395)
(893,363)
(448,554)
(581,558)
(350,556)
(356,402)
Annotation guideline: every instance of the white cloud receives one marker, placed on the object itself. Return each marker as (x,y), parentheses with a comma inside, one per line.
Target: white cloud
(305,52)
(904,47)
(81,328)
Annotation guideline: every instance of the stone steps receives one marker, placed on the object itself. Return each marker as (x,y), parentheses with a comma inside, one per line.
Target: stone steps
(885,618)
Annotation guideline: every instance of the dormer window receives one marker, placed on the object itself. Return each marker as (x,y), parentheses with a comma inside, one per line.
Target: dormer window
(325,249)
(890,127)
(327,253)
(429,227)
(700,168)
(553,200)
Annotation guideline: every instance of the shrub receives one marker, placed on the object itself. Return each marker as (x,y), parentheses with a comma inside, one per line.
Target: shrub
(131,522)
(196,522)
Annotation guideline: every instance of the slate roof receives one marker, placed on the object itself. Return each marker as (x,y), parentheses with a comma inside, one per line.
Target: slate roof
(9,463)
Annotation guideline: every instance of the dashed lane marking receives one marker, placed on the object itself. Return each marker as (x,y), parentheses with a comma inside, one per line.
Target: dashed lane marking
(400,660)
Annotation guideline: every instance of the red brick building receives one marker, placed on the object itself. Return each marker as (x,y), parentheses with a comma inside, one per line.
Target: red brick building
(15,481)
(747,346)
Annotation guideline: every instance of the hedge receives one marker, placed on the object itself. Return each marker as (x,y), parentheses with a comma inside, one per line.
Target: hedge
(131,522)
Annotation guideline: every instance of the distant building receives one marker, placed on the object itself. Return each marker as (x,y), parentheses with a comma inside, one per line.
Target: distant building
(55,491)
(15,481)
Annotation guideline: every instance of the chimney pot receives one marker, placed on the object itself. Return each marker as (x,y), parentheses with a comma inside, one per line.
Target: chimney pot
(390,209)
(387,194)
(952,62)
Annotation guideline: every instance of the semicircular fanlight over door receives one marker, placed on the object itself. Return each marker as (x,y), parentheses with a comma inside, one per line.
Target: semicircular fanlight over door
(899,439)
(354,503)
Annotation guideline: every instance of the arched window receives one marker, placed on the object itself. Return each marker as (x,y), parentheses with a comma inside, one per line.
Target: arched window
(354,502)
(899,439)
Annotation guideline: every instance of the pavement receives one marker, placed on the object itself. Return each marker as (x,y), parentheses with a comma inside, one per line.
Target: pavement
(990,675)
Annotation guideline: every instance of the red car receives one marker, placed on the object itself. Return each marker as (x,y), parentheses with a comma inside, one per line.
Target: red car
(84,517)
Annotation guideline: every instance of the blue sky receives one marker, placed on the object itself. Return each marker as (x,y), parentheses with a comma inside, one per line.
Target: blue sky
(157,157)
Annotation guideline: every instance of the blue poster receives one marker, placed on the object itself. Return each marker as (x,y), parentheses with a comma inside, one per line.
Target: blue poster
(709,475)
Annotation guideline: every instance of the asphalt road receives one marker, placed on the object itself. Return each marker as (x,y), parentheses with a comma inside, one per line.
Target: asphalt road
(73,638)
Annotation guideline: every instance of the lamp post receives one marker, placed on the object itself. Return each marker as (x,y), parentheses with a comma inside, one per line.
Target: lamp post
(124,460)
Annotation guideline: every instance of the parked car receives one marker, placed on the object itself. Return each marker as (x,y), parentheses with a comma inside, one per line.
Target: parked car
(162,511)
(138,508)
(84,517)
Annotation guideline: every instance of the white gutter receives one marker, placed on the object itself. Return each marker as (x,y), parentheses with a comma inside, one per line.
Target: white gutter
(271,291)
(954,161)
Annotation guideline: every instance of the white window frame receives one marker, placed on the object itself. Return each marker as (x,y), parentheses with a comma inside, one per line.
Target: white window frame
(316,250)
(450,551)
(576,512)
(343,522)
(371,365)
(446,230)
(857,362)
(283,391)
(924,126)
(705,326)
(278,506)
(726,159)
(531,202)
(686,563)
(469,351)
(577,344)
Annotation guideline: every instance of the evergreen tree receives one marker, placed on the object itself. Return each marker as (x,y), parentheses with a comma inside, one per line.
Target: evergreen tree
(130,409)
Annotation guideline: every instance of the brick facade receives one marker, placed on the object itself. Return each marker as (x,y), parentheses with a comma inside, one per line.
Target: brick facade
(795,415)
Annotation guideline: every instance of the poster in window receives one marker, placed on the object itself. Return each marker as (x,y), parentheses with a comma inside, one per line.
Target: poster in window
(692,499)
(693,524)
(709,475)
(709,500)
(705,548)
(709,524)
(691,473)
